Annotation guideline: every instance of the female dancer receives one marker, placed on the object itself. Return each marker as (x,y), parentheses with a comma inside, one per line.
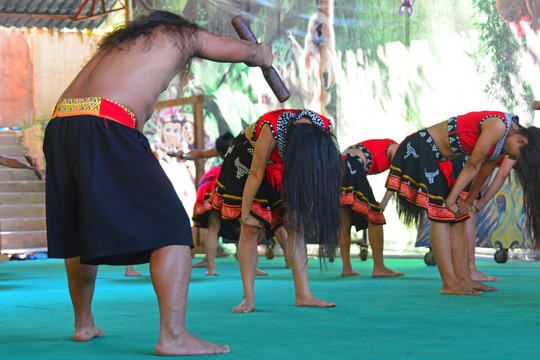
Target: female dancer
(359,207)
(421,184)
(302,149)
(204,217)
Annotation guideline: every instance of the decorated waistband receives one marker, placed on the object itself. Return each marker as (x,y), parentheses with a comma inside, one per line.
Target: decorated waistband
(96,106)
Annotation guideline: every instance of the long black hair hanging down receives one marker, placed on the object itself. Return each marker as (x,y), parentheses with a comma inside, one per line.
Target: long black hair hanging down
(312,175)
(528,175)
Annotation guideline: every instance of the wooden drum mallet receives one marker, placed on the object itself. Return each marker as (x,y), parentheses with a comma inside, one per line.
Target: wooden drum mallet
(270,74)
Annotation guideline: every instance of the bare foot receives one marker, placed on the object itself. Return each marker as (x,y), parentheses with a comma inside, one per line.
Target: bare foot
(349,273)
(458,290)
(130,271)
(482,287)
(211,273)
(312,301)
(247,305)
(480,276)
(188,344)
(200,264)
(385,272)
(87,333)
(259,272)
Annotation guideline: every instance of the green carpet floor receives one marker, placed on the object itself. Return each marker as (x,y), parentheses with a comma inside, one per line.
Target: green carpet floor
(394,318)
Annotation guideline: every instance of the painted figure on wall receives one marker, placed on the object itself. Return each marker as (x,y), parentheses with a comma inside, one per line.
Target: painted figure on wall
(406,5)
(317,58)
(523,16)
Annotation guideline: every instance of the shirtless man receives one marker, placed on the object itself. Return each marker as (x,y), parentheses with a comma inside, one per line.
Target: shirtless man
(108,200)
(418,175)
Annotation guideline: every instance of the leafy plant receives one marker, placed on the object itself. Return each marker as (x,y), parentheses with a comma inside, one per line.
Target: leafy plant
(504,50)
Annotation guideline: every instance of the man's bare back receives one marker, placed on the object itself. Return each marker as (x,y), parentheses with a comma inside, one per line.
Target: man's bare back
(133,76)
(135,73)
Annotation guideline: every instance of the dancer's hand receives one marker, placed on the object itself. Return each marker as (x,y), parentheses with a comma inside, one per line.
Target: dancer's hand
(452,206)
(463,207)
(249,220)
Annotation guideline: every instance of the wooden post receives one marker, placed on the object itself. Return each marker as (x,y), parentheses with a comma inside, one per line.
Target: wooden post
(129,10)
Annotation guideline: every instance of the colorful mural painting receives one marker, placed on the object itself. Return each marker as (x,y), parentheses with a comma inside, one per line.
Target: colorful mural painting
(378,68)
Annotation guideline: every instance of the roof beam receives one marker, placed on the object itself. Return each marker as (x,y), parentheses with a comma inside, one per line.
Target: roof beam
(75,18)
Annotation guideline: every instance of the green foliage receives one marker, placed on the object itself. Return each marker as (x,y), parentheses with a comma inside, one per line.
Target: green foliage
(42,123)
(503,49)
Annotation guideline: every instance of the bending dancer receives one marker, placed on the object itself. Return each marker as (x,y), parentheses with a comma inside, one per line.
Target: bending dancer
(95,146)
(422,185)
(359,207)
(505,165)
(302,149)
(204,216)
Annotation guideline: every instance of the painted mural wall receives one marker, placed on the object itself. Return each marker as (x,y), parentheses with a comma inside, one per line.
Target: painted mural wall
(379,68)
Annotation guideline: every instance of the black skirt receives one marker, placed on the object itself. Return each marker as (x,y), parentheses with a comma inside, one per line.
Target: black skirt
(108,199)
(227,195)
(422,180)
(357,195)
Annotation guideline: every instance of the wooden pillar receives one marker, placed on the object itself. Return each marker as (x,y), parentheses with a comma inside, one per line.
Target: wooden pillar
(129,10)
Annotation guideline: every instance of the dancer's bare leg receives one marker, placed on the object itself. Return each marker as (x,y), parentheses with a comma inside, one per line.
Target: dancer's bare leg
(81,283)
(470,234)
(281,237)
(440,243)
(170,269)
(376,240)
(297,255)
(130,271)
(248,257)
(345,243)
(458,248)
(211,242)
(196,231)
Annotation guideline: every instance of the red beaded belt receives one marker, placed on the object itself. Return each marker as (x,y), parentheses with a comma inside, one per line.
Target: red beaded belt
(95,106)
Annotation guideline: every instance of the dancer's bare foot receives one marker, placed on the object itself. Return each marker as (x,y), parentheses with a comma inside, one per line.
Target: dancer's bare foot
(247,305)
(211,272)
(385,272)
(87,333)
(200,264)
(458,290)
(312,301)
(481,287)
(130,271)
(188,344)
(350,272)
(259,272)
(480,276)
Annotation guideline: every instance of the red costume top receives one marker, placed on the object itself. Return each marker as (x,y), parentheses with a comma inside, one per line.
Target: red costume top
(464,130)
(376,152)
(278,120)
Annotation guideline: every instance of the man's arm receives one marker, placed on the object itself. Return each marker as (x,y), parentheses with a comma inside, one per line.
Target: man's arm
(223,48)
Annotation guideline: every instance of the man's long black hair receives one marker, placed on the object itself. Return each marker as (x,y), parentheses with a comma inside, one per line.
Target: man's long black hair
(312,175)
(182,30)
